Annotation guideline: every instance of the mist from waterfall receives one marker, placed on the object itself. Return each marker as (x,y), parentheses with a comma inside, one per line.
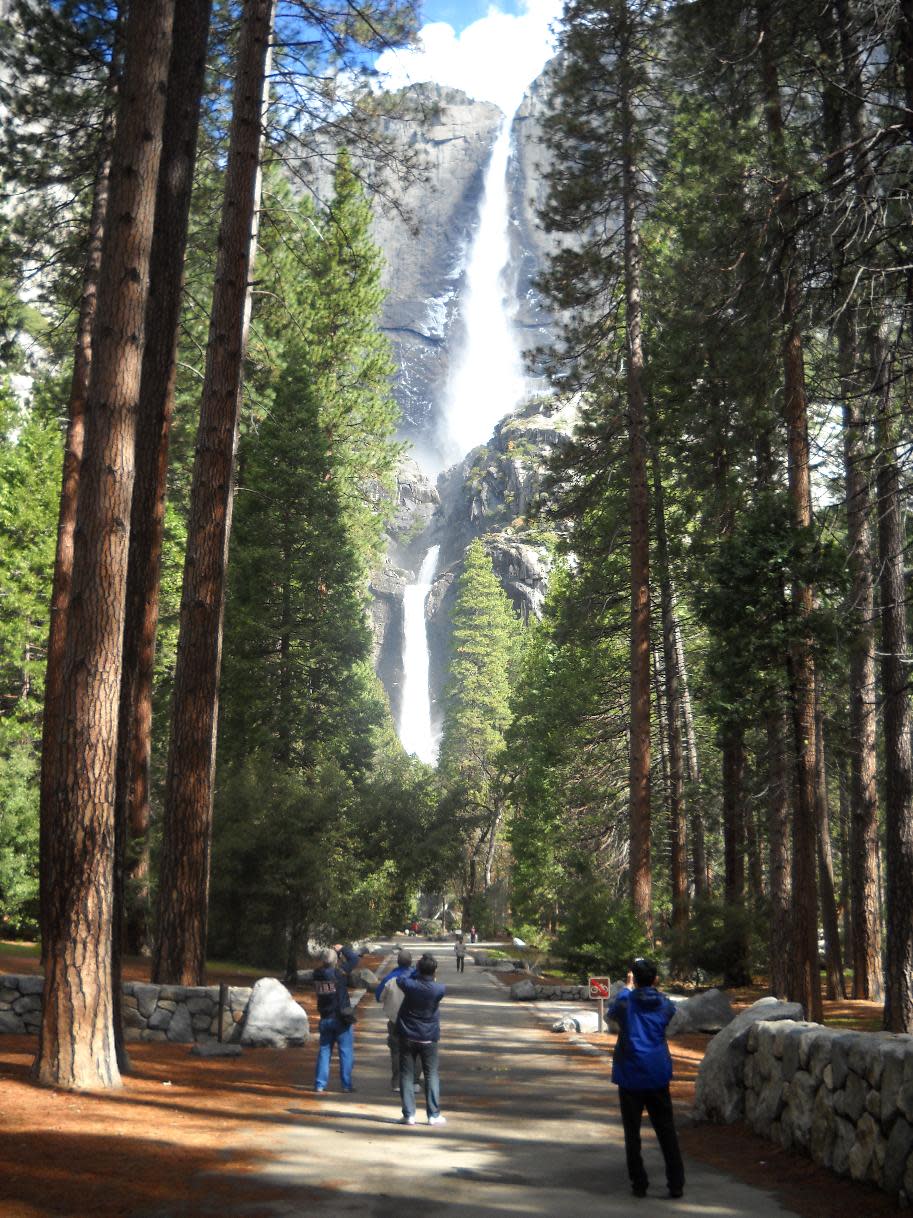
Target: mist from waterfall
(486,381)
(415,730)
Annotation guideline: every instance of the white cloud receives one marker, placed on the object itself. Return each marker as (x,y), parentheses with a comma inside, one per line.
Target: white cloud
(495,59)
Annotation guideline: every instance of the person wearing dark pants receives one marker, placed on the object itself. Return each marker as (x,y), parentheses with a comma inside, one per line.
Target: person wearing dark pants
(419,1027)
(642,1069)
(459,950)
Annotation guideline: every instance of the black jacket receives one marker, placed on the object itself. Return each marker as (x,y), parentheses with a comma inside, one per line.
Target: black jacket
(332,986)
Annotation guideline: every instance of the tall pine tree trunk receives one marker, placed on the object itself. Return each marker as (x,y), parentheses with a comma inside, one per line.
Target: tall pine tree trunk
(833,954)
(865,943)
(699,860)
(679,845)
(76,1045)
(156,405)
(69,492)
(180,952)
(805,986)
(641,881)
(898,720)
(778,838)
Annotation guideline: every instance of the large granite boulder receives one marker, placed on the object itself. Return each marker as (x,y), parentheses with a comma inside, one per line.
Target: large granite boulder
(720,1091)
(523,991)
(273,1019)
(708,1012)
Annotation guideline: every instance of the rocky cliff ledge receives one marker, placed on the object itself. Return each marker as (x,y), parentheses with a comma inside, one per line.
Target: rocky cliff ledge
(492,494)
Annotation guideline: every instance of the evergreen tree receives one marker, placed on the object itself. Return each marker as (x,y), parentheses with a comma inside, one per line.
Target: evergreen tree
(483,652)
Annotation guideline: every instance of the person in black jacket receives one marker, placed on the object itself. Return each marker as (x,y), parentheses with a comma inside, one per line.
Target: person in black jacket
(418,1025)
(332,986)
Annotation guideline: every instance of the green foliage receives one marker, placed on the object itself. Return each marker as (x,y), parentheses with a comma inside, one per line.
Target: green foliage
(722,941)
(30,455)
(601,932)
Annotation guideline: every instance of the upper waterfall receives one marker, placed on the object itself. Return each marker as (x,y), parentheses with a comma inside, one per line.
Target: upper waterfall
(486,380)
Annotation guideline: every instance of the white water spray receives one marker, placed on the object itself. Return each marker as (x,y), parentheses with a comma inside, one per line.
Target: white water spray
(415,730)
(486,380)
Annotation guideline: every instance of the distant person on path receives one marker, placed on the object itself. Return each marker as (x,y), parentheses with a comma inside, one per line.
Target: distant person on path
(419,1028)
(392,998)
(459,950)
(642,1068)
(336,1028)
(473,934)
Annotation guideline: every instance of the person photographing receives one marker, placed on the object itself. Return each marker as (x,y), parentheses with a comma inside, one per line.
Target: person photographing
(642,1070)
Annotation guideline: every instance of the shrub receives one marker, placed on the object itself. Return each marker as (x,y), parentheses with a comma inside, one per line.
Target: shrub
(601,932)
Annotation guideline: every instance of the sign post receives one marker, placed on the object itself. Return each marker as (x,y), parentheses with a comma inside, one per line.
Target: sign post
(599,989)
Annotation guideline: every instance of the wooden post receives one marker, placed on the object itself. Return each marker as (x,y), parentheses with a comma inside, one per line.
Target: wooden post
(223,1002)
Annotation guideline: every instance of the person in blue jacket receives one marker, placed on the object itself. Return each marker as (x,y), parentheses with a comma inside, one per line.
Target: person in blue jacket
(332,986)
(419,1027)
(642,1068)
(392,999)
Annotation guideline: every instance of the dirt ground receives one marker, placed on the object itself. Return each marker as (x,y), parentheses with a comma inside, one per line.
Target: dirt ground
(177,1116)
(179,1122)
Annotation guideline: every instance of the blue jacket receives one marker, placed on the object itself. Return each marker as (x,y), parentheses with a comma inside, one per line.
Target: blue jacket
(392,976)
(641,1061)
(332,986)
(418,1017)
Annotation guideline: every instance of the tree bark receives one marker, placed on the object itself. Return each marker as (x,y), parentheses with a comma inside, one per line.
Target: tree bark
(733,747)
(898,721)
(778,838)
(76,1045)
(805,984)
(180,953)
(830,922)
(186,76)
(679,845)
(699,861)
(865,943)
(69,492)
(640,879)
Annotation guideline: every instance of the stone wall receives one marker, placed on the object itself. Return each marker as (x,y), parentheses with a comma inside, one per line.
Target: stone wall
(181,1014)
(845,1098)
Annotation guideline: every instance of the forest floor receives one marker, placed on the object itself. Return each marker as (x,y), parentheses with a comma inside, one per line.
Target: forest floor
(187,1135)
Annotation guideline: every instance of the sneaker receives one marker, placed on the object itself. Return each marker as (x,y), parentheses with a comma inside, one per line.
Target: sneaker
(674,1193)
(407,1120)
(395,1088)
(437,1120)
(350,1088)
(320,1090)
(639,1192)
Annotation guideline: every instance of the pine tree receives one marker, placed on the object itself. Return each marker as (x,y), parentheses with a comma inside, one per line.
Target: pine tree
(483,647)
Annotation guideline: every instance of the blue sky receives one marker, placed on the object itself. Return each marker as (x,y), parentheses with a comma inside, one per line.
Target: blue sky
(463,44)
(460,13)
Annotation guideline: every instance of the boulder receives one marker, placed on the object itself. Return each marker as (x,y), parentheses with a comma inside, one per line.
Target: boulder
(523,991)
(567,1023)
(273,1018)
(146,997)
(720,1086)
(364,979)
(708,1012)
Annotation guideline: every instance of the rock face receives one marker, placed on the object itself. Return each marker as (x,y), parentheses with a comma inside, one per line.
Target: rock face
(273,1018)
(720,1091)
(708,1012)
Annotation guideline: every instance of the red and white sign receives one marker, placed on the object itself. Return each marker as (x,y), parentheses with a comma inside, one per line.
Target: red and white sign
(599,987)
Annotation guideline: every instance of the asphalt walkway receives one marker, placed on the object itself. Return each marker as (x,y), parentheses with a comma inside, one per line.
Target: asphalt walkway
(531,1129)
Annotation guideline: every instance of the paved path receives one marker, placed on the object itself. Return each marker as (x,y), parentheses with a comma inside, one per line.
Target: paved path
(532,1130)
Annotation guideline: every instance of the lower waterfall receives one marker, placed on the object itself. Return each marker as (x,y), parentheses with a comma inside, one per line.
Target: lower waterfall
(415,731)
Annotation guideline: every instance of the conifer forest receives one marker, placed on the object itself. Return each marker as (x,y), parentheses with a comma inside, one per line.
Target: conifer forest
(289,653)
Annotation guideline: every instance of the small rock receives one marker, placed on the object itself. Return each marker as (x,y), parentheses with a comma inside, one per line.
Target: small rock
(212,1048)
(31,985)
(566,1023)
(180,1030)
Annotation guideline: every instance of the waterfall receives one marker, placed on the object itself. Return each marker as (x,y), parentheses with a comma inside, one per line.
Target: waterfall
(486,380)
(415,730)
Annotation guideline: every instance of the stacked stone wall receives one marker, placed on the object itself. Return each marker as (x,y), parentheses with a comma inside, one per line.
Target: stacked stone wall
(844,1098)
(176,1013)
